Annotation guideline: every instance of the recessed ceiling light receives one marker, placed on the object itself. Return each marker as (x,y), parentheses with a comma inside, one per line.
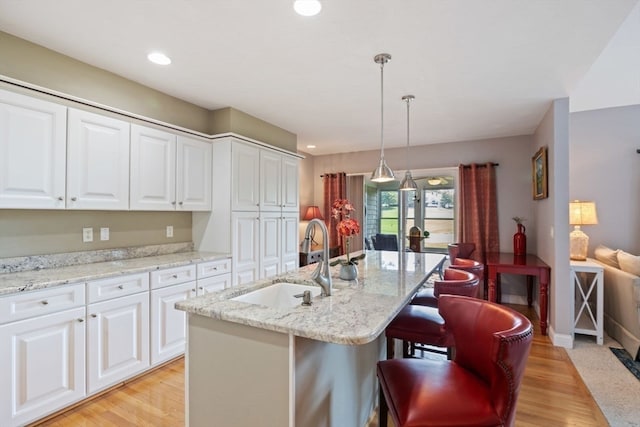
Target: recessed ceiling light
(159,58)
(307,7)
(311,146)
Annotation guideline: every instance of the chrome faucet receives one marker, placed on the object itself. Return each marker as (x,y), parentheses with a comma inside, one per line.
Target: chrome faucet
(322,275)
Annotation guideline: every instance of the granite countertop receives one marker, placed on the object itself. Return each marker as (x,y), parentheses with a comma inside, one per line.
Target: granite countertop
(11,283)
(356,313)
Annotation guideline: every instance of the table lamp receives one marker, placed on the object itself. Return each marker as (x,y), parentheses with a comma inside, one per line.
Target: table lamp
(312,212)
(580,213)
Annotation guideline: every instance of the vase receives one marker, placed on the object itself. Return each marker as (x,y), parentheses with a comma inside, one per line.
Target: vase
(520,241)
(348,272)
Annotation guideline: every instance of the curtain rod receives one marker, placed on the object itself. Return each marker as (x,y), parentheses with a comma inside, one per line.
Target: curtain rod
(483,165)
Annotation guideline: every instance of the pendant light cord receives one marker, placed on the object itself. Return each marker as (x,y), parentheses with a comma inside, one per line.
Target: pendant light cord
(382,109)
(408,101)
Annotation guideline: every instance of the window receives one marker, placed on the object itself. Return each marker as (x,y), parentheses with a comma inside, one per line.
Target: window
(389,212)
(438,216)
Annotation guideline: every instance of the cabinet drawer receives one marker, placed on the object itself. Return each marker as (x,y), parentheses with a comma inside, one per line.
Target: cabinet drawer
(173,276)
(214,268)
(213,284)
(36,303)
(113,287)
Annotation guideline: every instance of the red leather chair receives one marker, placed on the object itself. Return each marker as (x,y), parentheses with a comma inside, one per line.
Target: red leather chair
(462,250)
(421,324)
(454,281)
(479,388)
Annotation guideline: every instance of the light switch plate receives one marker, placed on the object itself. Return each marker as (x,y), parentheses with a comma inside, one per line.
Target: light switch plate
(87,234)
(169,230)
(104,233)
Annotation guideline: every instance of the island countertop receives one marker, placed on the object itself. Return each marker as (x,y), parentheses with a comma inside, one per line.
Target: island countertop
(356,313)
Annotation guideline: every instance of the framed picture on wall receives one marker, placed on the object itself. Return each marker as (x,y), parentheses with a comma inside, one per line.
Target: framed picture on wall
(539,174)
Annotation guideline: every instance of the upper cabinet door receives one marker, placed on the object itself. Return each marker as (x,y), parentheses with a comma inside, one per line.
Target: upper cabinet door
(193,174)
(290,194)
(153,169)
(270,172)
(97,162)
(32,152)
(245,181)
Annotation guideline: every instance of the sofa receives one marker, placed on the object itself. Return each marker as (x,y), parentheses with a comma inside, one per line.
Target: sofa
(621,296)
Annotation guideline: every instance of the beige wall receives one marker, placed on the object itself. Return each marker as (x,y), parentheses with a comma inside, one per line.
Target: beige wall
(39,232)
(35,232)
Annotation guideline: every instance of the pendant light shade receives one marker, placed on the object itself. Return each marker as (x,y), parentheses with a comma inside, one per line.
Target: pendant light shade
(382,173)
(408,184)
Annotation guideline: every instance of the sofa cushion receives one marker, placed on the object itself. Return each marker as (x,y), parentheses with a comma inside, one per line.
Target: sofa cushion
(629,263)
(607,256)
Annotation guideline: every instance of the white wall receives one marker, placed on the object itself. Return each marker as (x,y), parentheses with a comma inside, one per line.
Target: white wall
(552,219)
(605,168)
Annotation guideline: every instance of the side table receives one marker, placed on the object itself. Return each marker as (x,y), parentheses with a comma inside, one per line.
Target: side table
(587,277)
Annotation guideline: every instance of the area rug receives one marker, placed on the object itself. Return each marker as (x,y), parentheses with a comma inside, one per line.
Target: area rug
(614,388)
(623,356)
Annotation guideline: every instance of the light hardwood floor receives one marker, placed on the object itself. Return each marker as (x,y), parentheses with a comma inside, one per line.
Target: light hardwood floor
(552,394)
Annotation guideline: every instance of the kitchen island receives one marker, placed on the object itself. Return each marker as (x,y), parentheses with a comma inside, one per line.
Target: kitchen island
(251,364)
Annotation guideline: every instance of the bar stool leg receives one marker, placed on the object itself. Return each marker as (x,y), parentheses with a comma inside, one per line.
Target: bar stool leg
(383,410)
(390,348)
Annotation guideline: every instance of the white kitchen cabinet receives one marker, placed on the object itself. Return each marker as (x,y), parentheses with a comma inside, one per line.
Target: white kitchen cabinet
(270,244)
(245,247)
(97,162)
(213,276)
(117,340)
(245,179)
(168,325)
(289,184)
(193,174)
(289,250)
(32,152)
(169,172)
(43,354)
(153,169)
(270,177)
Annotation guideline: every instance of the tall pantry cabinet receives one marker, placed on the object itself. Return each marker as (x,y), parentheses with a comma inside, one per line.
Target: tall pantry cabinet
(256,210)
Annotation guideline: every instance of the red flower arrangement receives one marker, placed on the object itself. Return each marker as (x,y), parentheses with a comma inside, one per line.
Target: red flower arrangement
(347,227)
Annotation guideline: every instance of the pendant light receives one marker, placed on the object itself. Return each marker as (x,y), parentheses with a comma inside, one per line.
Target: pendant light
(382,173)
(408,184)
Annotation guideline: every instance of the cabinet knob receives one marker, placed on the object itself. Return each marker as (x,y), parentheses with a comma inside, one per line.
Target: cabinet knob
(73,199)
(180,203)
(60,198)
(200,287)
(45,302)
(94,315)
(193,290)
(120,287)
(215,268)
(80,320)
(173,203)
(175,276)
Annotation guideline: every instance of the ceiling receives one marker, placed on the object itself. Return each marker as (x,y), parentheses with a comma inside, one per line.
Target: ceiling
(478,69)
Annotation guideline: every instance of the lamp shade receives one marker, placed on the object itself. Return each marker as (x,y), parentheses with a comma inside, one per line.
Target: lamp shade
(312,212)
(582,213)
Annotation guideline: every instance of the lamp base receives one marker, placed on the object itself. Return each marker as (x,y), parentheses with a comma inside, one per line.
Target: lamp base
(578,244)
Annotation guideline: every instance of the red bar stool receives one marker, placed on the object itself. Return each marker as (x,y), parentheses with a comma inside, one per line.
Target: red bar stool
(479,388)
(421,325)
(454,281)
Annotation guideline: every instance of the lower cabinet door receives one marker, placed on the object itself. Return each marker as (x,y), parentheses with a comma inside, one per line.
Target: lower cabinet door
(117,340)
(169,325)
(42,366)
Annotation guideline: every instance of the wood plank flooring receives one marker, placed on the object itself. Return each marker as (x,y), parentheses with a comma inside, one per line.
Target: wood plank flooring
(552,394)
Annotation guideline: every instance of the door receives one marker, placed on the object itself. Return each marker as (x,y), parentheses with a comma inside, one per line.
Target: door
(289,242)
(290,193)
(245,247)
(245,177)
(193,174)
(270,241)
(32,152)
(97,162)
(169,325)
(270,188)
(117,340)
(43,365)
(153,169)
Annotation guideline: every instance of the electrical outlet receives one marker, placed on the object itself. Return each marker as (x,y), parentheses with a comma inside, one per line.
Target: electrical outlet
(169,230)
(104,233)
(87,234)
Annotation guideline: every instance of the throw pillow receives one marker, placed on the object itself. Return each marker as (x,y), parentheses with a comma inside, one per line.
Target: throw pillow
(607,256)
(629,263)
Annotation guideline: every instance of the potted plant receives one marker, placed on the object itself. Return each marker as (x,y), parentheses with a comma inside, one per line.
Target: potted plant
(347,227)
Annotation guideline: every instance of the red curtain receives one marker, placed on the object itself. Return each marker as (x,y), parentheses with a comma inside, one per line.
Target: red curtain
(478,214)
(335,187)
